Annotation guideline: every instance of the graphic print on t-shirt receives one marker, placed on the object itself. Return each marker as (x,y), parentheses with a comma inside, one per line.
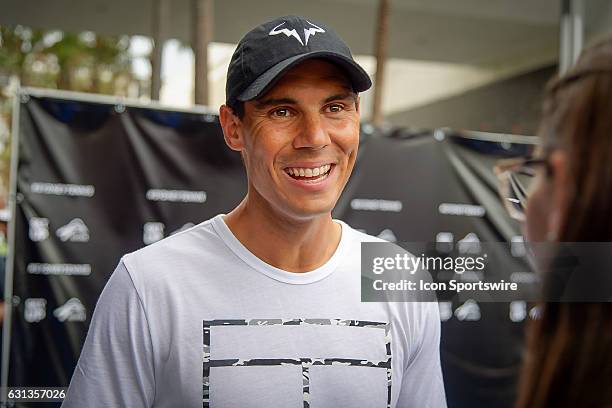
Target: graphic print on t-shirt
(310,363)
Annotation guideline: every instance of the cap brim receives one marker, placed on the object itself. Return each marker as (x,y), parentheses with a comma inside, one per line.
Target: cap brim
(357,75)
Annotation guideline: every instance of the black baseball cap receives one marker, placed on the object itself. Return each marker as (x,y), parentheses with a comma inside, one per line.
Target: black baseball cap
(266,52)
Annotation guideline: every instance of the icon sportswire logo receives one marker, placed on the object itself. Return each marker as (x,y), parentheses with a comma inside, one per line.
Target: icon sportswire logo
(308,32)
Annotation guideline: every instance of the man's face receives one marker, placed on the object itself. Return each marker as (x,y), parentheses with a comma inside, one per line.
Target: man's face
(300,140)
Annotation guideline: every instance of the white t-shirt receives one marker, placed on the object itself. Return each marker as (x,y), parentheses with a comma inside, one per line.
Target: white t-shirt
(196,320)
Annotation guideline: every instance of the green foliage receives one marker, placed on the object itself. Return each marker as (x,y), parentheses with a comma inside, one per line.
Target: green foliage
(53,59)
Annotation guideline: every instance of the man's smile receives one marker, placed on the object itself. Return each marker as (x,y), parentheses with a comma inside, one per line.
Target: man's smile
(308,171)
(310,175)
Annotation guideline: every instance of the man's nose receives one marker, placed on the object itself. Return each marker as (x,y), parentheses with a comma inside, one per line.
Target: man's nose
(312,133)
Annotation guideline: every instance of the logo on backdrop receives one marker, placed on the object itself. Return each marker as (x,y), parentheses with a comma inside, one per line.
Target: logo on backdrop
(308,32)
(74,231)
(535,312)
(152,232)
(366,204)
(388,235)
(177,196)
(470,244)
(468,210)
(469,311)
(71,311)
(446,310)
(35,310)
(36,268)
(444,241)
(77,190)
(518,311)
(39,229)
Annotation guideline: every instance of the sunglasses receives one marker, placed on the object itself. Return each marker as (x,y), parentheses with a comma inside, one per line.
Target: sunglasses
(515,176)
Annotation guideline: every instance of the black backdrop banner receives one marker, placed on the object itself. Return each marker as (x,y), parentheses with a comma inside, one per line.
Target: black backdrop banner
(441,188)
(97,179)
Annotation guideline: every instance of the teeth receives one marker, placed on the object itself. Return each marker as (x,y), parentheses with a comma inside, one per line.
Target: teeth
(308,172)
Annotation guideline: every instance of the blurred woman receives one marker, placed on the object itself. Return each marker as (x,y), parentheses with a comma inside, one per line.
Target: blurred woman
(568,361)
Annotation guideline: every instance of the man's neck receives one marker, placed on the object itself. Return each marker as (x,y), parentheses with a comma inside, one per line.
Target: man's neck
(288,244)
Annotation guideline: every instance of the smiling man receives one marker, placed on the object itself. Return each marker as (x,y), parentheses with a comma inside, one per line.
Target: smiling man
(261,307)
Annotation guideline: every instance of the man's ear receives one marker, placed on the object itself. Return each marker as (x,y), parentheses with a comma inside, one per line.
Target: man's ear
(232,128)
(560,193)
(357,103)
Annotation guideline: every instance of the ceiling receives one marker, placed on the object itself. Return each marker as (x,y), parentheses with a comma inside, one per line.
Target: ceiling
(468,31)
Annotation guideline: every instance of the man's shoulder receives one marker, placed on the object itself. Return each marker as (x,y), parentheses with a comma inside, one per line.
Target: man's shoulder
(194,242)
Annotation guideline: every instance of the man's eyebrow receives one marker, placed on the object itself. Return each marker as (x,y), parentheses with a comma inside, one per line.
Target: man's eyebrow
(264,103)
(274,101)
(342,96)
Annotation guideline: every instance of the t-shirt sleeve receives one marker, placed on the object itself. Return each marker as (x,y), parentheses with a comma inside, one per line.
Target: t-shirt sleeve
(422,384)
(115,368)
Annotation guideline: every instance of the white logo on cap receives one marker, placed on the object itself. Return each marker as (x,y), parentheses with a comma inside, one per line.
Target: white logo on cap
(308,32)
(312,31)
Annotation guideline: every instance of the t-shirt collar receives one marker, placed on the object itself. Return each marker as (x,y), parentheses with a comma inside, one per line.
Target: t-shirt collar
(275,273)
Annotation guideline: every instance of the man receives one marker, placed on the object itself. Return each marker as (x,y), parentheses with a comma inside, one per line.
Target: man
(261,307)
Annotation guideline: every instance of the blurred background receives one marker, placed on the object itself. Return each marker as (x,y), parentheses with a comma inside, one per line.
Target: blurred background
(457,86)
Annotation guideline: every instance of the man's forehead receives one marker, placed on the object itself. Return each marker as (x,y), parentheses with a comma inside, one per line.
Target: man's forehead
(315,70)
(327,80)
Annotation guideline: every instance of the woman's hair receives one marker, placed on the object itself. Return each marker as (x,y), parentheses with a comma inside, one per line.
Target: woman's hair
(568,361)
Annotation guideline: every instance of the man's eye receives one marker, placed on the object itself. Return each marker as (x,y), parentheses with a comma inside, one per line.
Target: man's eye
(335,108)
(281,113)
